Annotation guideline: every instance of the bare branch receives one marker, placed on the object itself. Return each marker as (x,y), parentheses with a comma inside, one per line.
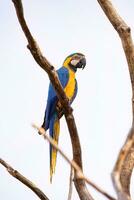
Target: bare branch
(124,32)
(24,180)
(44,64)
(122,171)
(78,170)
(70,183)
(123,168)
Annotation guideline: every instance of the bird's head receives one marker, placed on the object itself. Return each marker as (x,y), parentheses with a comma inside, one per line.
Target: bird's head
(75,61)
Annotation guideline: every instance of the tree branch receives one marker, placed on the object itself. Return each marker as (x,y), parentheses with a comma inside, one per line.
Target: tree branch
(70,183)
(122,171)
(24,180)
(73,164)
(45,65)
(123,168)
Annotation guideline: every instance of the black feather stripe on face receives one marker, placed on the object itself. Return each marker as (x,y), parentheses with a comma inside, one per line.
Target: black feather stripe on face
(75,56)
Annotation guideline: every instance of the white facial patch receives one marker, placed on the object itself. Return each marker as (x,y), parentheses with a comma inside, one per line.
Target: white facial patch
(74,62)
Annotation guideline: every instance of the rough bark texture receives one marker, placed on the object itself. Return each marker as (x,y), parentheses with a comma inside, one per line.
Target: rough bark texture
(45,65)
(123,168)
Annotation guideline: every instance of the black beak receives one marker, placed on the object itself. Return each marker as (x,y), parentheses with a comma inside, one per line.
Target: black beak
(82,63)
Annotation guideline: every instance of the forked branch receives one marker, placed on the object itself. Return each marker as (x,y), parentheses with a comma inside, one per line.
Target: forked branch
(73,164)
(45,65)
(123,168)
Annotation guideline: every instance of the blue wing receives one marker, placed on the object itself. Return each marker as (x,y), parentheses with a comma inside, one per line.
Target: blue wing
(63,75)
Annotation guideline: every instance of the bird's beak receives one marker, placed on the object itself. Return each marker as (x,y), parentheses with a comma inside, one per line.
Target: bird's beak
(82,63)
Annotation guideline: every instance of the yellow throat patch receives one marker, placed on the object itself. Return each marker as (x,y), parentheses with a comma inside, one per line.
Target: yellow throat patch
(70,87)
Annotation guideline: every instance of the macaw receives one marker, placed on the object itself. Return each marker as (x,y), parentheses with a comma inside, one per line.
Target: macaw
(54,110)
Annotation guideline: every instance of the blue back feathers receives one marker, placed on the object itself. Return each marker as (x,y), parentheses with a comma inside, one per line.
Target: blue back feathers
(51,119)
(63,75)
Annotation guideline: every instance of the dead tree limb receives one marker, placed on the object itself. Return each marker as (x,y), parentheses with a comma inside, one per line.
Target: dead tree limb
(124,166)
(73,164)
(24,180)
(70,183)
(45,65)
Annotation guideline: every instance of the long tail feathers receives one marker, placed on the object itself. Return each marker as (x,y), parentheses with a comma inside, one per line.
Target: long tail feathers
(54,133)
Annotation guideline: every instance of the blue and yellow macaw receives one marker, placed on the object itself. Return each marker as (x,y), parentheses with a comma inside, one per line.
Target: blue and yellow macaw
(54,110)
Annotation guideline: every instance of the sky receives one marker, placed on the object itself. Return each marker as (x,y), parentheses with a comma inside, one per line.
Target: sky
(102,108)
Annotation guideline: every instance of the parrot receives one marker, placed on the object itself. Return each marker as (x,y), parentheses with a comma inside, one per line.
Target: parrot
(54,109)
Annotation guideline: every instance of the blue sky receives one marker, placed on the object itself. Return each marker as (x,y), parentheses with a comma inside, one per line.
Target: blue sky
(102,108)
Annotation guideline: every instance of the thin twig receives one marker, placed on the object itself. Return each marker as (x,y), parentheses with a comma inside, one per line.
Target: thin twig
(23,180)
(79,173)
(70,183)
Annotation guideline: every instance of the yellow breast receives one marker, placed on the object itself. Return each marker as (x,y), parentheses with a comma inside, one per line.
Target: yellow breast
(70,87)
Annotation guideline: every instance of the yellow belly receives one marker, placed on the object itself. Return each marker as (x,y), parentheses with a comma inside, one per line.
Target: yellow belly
(70,87)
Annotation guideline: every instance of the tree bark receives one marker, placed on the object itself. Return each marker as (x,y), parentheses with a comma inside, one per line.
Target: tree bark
(45,65)
(125,162)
